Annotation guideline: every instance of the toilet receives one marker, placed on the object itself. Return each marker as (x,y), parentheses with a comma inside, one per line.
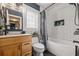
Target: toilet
(38,47)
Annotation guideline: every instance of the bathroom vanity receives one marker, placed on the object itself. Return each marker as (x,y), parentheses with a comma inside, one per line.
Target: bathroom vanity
(16,45)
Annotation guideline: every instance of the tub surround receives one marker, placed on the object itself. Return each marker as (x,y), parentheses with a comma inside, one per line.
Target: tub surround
(16,45)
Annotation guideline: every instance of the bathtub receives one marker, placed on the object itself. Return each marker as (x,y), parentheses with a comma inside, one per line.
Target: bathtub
(61,48)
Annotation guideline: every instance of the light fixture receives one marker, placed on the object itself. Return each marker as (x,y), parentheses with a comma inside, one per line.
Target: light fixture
(14,20)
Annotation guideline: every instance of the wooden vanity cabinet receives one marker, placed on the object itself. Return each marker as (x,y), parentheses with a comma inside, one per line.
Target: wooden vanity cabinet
(27,49)
(16,46)
(10,50)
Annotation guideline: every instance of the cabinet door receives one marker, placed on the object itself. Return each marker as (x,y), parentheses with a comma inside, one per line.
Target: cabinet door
(10,50)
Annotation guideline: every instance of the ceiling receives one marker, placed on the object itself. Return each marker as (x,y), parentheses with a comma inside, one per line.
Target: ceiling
(44,5)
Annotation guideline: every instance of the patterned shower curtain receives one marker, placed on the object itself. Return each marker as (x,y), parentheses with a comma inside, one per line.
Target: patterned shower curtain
(43,28)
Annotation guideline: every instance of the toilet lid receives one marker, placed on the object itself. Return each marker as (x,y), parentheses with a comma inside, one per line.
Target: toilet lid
(38,45)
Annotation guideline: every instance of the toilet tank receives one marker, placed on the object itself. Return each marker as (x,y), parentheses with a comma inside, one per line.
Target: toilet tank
(34,40)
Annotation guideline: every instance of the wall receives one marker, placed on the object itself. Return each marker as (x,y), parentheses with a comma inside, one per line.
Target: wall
(29,30)
(61,34)
(58,12)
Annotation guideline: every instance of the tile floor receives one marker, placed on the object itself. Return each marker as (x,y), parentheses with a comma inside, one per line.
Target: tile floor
(47,53)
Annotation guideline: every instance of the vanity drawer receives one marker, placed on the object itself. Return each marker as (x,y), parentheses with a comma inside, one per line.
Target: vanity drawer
(26,47)
(29,53)
(26,39)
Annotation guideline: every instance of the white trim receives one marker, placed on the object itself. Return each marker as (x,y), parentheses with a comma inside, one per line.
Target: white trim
(58,6)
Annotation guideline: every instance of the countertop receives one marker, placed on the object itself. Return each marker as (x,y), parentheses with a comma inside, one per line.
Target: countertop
(5,36)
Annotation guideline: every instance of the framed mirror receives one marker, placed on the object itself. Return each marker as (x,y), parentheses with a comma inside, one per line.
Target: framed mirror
(14,22)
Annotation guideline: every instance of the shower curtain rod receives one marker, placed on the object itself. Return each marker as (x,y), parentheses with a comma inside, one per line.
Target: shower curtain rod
(54,3)
(48,6)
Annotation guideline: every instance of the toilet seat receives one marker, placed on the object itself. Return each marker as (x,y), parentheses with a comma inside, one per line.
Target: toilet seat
(38,45)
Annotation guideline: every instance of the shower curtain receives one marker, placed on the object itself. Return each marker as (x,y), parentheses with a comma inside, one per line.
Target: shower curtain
(43,28)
